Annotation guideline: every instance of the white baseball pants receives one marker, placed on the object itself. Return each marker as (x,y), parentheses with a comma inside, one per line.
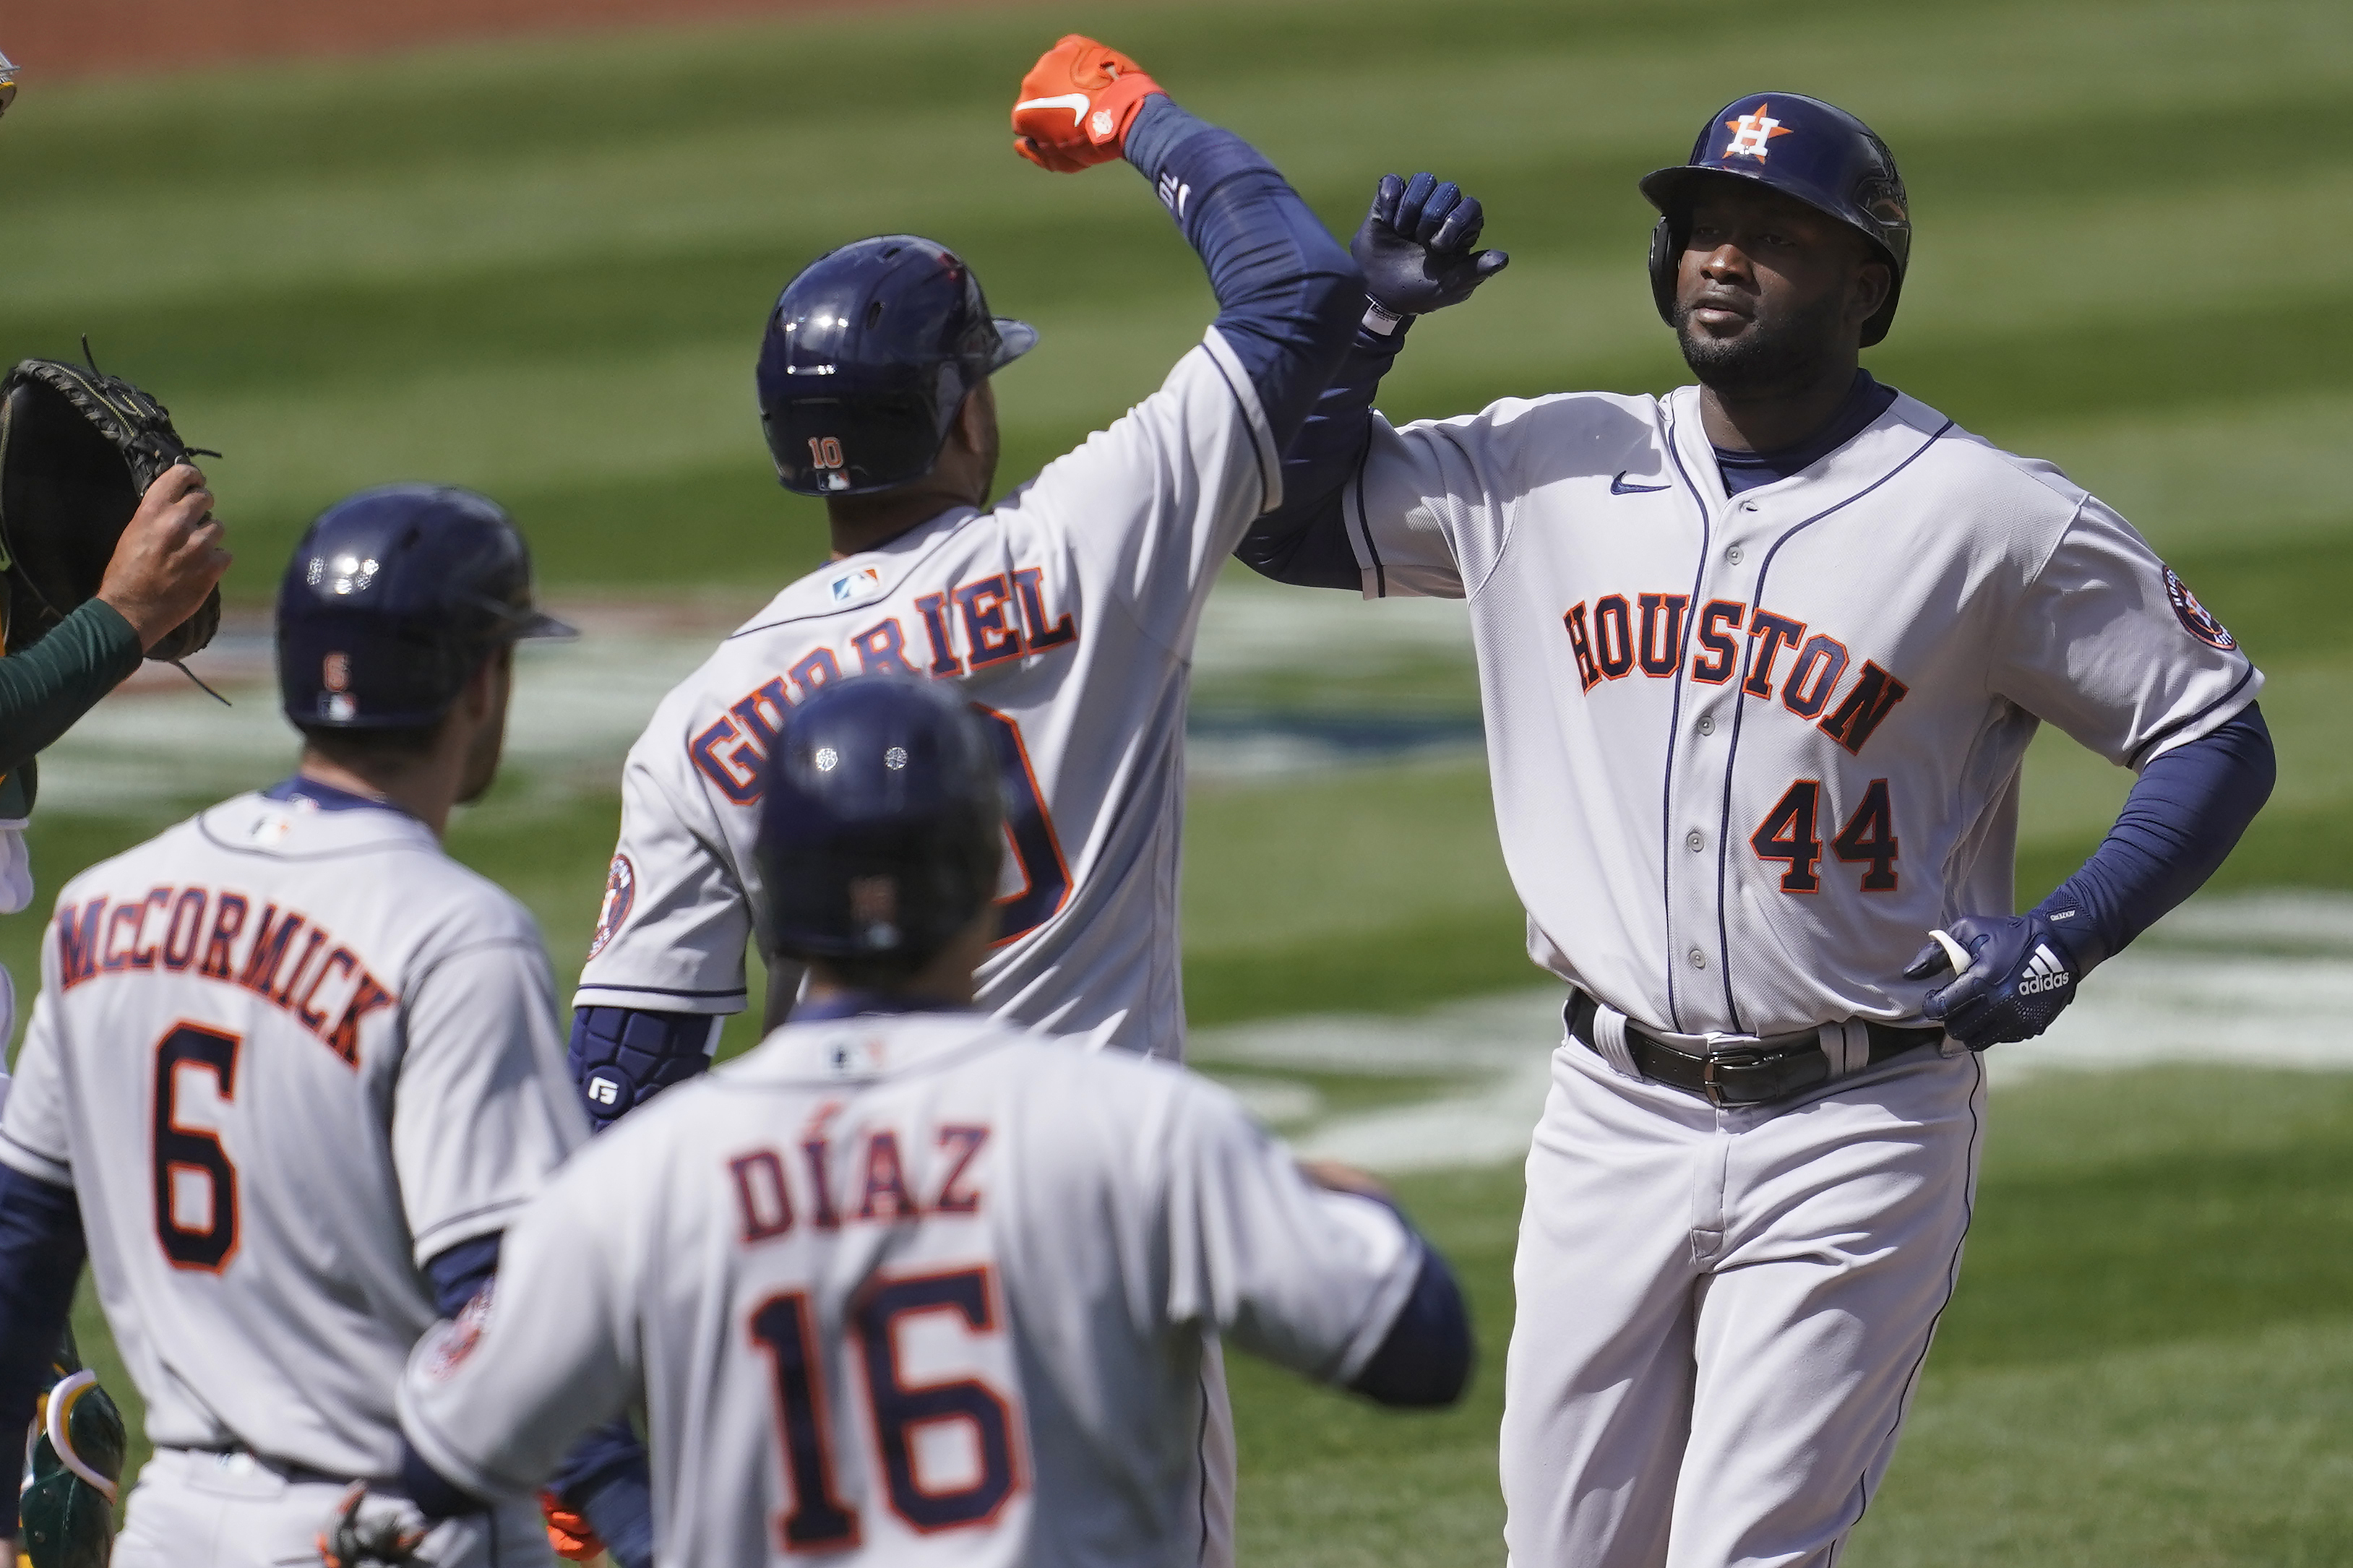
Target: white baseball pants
(1723,1313)
(226,1510)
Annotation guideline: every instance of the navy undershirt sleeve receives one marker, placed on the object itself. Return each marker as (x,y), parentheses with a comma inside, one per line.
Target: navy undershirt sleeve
(1288,293)
(1424,1361)
(460,1274)
(1304,541)
(607,1480)
(41,1253)
(2183,817)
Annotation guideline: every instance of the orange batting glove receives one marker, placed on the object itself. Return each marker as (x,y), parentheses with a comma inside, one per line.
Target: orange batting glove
(573,1537)
(1076,105)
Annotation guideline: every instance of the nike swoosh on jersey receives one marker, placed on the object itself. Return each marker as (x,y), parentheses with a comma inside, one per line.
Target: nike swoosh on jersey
(1076,102)
(1618,487)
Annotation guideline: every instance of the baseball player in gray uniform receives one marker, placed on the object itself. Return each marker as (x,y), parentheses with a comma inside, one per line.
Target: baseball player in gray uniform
(292,1069)
(1760,659)
(909,1284)
(1065,613)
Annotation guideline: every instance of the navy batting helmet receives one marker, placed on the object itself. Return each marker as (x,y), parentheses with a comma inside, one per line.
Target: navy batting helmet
(881,829)
(393,599)
(1810,150)
(867,356)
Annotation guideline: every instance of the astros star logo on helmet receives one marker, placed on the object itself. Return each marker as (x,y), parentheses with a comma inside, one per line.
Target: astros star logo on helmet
(1751,133)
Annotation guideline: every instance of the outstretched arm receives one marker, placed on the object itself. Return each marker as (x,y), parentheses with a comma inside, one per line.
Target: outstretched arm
(1286,290)
(1417,247)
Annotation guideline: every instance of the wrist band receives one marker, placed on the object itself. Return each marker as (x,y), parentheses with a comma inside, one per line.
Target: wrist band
(1379,320)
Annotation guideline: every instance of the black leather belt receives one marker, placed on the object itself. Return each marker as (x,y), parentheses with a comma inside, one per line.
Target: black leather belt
(1774,1068)
(287,1470)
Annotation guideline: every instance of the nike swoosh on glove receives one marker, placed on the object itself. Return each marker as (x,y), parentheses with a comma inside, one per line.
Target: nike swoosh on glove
(1077,103)
(1415,247)
(2019,977)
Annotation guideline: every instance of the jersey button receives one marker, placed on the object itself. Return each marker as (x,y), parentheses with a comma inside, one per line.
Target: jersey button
(1707,723)
(1748,506)
(1694,841)
(1733,555)
(1698,959)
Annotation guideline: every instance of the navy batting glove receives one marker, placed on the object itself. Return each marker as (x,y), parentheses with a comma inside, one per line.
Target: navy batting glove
(2021,976)
(1415,245)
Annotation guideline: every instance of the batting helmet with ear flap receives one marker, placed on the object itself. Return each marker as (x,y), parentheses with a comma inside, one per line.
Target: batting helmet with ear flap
(1813,151)
(394,598)
(867,356)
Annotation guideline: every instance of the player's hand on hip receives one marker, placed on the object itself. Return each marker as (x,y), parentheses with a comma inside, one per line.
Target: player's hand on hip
(169,557)
(2012,975)
(388,1538)
(1416,248)
(1076,104)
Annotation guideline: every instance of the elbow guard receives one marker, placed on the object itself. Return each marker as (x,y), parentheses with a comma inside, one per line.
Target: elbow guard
(621,1058)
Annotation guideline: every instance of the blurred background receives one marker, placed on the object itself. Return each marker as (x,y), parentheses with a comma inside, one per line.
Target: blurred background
(527,246)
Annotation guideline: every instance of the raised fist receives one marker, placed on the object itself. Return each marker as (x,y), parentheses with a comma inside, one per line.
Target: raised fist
(1415,245)
(1076,105)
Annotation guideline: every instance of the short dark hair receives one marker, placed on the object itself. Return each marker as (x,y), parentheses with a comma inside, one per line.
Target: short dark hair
(363,749)
(884,971)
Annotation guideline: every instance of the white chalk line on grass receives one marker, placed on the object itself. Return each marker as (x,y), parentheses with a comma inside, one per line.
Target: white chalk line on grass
(2246,980)
(577,706)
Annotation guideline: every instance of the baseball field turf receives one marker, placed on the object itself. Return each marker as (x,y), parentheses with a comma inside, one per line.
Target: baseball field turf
(541,269)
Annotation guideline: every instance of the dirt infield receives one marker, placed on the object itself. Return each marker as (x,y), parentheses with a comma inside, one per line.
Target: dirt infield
(63,38)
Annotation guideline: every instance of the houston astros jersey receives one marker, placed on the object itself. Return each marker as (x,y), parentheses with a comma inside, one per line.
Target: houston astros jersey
(917,1288)
(1067,614)
(1747,749)
(284,1054)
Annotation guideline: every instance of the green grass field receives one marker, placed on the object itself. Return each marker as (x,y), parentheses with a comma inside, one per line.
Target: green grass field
(542,268)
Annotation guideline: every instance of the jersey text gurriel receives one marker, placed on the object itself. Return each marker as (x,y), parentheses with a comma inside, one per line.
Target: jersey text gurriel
(1001,616)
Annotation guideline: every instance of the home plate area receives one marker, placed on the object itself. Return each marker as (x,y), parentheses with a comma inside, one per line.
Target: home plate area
(2256,980)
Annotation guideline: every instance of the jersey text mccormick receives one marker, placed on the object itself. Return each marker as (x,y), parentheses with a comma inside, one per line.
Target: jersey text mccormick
(1619,638)
(191,931)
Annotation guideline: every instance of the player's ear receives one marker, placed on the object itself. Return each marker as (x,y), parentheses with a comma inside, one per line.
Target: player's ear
(1872,280)
(976,417)
(484,686)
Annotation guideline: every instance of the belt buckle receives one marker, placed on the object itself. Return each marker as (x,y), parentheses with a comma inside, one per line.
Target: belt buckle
(1742,1057)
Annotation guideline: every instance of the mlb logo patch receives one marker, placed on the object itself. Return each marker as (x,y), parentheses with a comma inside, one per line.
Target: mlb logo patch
(852,587)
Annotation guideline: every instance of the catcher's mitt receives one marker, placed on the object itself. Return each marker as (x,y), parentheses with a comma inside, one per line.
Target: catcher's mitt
(77,448)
